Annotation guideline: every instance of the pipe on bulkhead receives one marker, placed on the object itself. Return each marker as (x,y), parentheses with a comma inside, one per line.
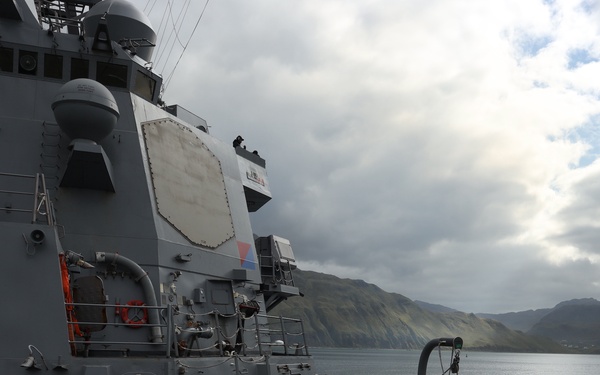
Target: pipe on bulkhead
(141,276)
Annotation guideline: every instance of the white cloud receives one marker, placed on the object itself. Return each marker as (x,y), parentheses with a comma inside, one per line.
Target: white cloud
(442,150)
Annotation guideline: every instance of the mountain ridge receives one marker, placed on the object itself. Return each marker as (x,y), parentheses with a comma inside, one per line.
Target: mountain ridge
(525,320)
(353,313)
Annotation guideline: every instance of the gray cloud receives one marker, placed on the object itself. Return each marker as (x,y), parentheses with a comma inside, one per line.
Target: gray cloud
(424,148)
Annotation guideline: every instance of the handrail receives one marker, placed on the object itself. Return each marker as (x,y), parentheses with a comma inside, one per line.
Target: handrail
(54,15)
(85,341)
(41,201)
(16,192)
(289,339)
(280,270)
(17,175)
(295,340)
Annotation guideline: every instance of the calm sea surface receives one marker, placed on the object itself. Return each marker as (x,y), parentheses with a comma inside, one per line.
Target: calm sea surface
(337,361)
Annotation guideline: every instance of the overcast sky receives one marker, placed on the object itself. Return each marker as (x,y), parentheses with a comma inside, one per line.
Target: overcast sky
(445,150)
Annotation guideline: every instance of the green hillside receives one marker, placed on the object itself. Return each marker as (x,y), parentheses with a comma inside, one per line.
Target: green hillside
(577,326)
(352,313)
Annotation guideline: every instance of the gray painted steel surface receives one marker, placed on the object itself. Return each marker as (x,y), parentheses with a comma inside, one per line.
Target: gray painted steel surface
(158,207)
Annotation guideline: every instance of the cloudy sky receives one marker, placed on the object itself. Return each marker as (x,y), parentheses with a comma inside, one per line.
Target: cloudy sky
(445,150)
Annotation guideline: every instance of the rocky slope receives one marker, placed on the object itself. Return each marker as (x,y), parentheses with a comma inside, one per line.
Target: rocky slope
(352,313)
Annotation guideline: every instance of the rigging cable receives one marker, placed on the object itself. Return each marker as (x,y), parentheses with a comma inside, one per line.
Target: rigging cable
(174,31)
(454,361)
(146,7)
(168,80)
(161,32)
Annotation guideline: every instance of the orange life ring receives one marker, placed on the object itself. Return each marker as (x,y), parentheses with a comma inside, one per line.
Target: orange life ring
(135,321)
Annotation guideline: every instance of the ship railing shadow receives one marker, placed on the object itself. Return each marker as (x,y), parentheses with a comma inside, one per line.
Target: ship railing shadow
(273,335)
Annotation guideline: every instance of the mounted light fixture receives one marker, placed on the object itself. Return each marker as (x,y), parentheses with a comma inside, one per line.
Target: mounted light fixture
(30,360)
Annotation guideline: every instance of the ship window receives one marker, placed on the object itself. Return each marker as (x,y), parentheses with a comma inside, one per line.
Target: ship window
(80,68)
(6,59)
(53,66)
(144,86)
(28,62)
(111,74)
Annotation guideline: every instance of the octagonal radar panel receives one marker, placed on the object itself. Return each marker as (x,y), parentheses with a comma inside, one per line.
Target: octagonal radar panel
(188,182)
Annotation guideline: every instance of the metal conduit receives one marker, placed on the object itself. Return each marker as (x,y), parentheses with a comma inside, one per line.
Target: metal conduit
(141,276)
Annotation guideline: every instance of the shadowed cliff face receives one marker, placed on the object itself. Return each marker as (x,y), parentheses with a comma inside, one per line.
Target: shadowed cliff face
(575,325)
(351,313)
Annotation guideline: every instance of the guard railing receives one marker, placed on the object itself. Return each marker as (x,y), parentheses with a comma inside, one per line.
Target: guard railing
(25,194)
(273,334)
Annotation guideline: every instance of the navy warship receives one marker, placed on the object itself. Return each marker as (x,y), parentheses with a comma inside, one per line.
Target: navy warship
(125,228)
(129,221)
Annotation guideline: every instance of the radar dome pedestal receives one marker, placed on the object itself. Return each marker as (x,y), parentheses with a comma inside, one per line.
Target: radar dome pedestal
(87,112)
(85,109)
(123,22)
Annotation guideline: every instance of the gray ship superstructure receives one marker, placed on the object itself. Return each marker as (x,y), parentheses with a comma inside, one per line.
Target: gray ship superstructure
(124,225)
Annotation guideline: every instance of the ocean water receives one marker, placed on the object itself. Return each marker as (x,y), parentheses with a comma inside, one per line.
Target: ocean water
(338,361)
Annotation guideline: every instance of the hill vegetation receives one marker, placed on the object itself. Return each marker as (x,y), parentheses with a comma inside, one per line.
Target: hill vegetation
(574,324)
(352,313)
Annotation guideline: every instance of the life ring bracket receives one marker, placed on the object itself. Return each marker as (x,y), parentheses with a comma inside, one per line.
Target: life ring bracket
(134,321)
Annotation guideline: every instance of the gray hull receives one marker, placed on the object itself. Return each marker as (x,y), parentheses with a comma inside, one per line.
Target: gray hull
(127,245)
